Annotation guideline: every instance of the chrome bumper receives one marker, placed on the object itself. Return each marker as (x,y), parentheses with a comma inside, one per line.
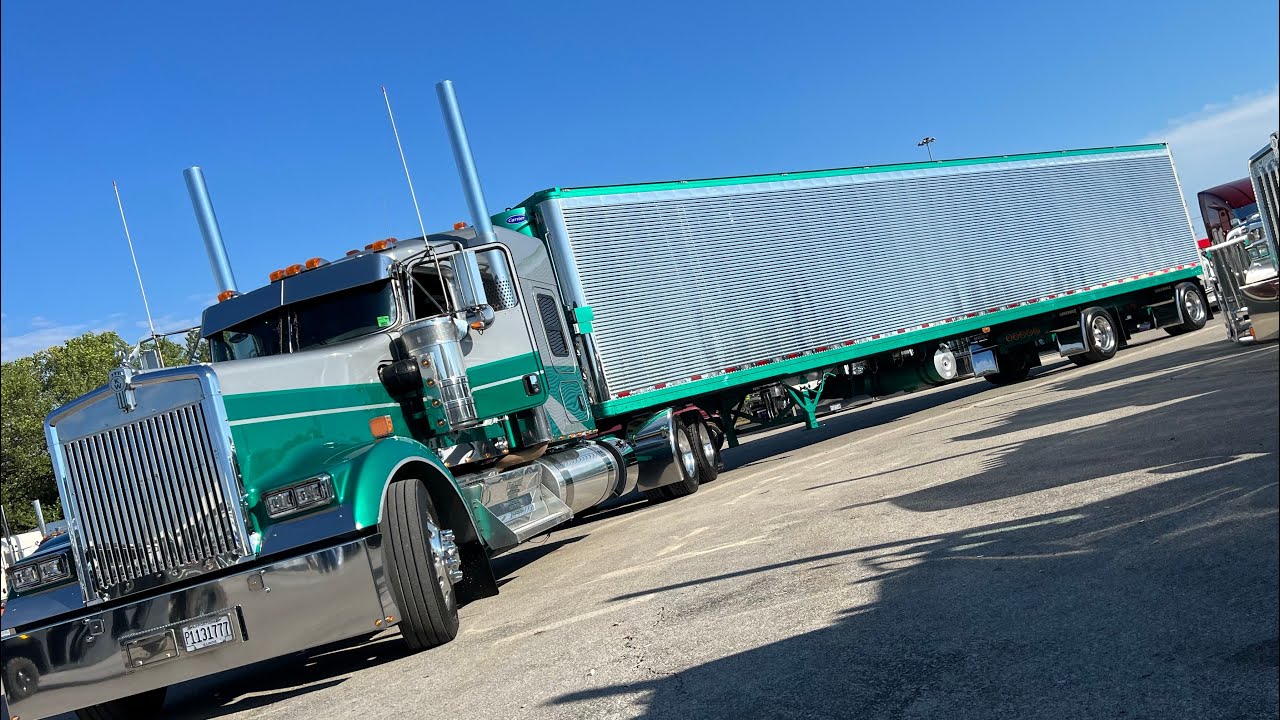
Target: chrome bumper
(284,607)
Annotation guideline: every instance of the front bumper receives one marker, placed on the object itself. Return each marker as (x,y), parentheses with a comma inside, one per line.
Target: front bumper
(284,607)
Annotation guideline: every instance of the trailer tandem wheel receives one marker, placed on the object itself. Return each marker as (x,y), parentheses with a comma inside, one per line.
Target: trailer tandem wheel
(1101,334)
(1195,311)
(1015,365)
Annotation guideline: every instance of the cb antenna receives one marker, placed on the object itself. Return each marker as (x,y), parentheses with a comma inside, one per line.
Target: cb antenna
(447,297)
(146,306)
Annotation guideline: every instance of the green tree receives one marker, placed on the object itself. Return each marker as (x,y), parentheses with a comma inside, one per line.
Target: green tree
(175,354)
(24,461)
(30,388)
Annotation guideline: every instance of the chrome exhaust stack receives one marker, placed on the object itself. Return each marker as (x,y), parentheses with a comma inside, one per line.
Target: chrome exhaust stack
(466,266)
(466,163)
(213,245)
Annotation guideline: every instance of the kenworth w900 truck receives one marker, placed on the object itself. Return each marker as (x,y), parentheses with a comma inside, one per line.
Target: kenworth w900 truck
(372,430)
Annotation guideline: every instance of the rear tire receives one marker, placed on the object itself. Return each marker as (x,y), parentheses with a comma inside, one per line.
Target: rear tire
(686,463)
(706,451)
(135,707)
(1014,368)
(1101,335)
(1194,309)
(416,554)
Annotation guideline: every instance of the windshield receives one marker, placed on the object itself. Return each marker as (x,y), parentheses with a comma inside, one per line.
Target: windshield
(312,323)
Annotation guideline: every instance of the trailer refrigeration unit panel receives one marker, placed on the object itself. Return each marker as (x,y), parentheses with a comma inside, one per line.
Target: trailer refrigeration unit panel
(688,283)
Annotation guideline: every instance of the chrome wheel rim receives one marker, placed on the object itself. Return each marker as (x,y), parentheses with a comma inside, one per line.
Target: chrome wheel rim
(687,458)
(1104,334)
(444,560)
(704,441)
(1193,307)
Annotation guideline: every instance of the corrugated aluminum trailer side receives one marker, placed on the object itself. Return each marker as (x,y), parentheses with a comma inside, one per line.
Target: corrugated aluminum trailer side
(689,281)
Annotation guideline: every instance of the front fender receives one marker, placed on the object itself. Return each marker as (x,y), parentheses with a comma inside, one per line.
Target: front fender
(361,474)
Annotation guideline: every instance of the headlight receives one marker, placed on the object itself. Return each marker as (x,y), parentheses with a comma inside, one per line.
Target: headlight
(46,571)
(310,493)
(55,569)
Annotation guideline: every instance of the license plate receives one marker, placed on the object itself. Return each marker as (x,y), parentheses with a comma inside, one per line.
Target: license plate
(207,633)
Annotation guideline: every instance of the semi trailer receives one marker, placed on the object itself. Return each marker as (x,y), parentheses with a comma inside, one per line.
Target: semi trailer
(372,430)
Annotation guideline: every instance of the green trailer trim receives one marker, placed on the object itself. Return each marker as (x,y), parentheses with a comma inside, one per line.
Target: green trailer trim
(587,191)
(774,370)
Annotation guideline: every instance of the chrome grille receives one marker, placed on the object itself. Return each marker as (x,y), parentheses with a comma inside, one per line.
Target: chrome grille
(1264,171)
(150,501)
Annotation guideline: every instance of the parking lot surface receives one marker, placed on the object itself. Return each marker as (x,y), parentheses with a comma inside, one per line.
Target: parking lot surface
(1096,542)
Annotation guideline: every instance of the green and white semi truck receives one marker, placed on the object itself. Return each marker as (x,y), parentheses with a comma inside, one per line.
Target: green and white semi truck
(373,429)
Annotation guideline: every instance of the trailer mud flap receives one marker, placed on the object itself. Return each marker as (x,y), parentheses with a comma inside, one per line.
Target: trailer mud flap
(984,362)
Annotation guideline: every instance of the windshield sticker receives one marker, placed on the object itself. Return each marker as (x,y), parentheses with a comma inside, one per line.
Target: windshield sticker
(384,320)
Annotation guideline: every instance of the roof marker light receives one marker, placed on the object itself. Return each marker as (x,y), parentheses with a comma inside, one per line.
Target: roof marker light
(227,295)
(276,275)
(292,270)
(316,262)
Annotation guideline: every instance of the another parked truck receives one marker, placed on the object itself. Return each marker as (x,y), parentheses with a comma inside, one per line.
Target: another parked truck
(1242,262)
(373,429)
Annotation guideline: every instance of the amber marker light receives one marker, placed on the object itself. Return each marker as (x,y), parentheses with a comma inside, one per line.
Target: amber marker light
(459,225)
(228,294)
(316,262)
(276,275)
(292,270)
(381,426)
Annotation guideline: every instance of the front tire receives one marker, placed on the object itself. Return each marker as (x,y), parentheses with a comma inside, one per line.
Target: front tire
(418,557)
(135,707)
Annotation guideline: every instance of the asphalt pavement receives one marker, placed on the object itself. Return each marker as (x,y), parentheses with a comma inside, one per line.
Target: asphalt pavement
(1096,542)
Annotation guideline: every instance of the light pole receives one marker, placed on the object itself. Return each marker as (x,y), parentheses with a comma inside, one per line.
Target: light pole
(927,142)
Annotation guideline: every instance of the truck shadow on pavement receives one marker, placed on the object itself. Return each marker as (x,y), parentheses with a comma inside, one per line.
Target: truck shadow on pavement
(1155,598)
(273,681)
(1162,421)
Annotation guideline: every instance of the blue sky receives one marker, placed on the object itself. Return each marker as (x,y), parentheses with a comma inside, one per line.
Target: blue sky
(280,103)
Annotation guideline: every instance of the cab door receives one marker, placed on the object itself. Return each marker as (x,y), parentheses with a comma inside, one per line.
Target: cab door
(567,407)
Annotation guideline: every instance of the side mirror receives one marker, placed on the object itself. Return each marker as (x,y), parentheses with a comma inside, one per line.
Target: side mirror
(466,273)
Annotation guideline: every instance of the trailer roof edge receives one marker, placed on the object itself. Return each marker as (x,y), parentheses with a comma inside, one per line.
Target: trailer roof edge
(589,190)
